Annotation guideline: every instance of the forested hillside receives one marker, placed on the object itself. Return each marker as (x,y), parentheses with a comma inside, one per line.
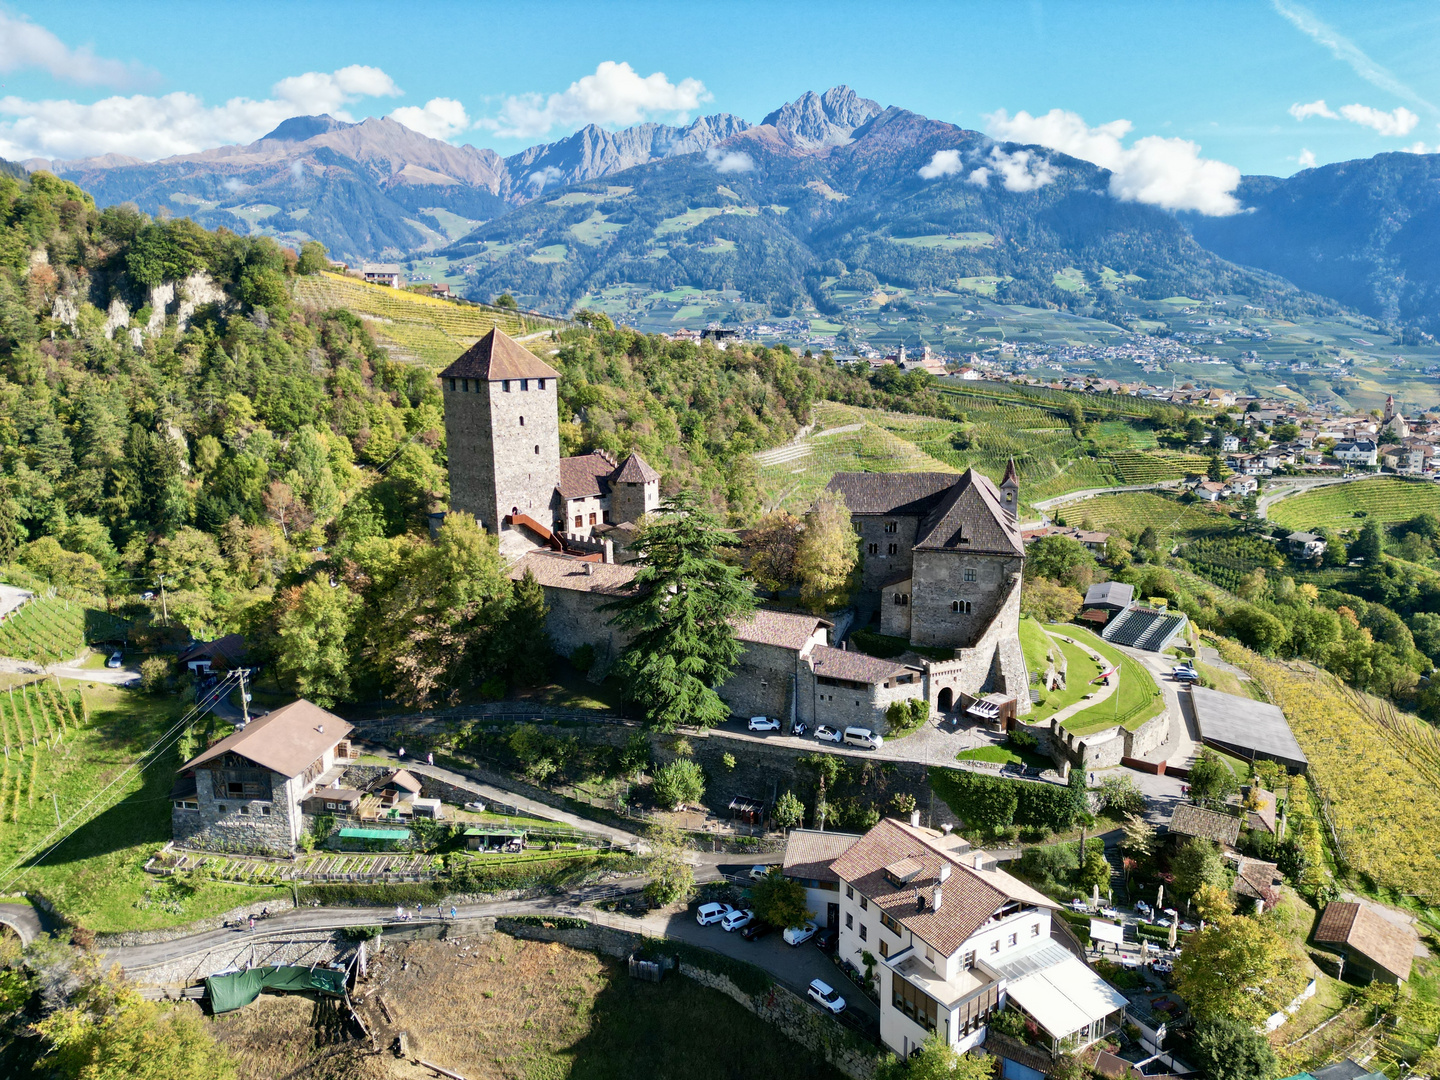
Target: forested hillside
(275,467)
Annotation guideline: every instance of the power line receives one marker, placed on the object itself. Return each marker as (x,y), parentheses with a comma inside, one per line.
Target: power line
(201,707)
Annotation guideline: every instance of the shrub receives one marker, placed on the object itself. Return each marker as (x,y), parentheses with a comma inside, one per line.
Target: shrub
(681,781)
(583,658)
(152,674)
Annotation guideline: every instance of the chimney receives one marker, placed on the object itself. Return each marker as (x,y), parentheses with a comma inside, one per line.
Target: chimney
(947,828)
(979,859)
(589,569)
(320,728)
(944,875)
(935,900)
(915,818)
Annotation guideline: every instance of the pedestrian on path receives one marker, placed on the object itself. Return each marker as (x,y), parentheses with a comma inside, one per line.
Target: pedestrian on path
(399,913)
(419,910)
(252,922)
(402,753)
(430,758)
(452,911)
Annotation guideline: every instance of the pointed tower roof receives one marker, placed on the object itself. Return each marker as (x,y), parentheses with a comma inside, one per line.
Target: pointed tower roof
(1010,476)
(499,356)
(635,470)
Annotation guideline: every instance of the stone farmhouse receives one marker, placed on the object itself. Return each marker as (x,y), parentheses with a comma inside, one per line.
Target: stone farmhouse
(247,792)
(943,557)
(956,940)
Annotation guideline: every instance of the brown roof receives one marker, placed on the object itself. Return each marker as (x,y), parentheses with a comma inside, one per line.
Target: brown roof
(400,778)
(499,356)
(784,629)
(337,794)
(555,571)
(286,741)
(959,513)
(229,649)
(585,475)
(1187,819)
(1263,818)
(970,896)
(810,853)
(1376,938)
(1256,879)
(857,667)
(635,470)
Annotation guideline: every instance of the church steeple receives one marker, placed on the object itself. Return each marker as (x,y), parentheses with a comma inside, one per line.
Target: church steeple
(1010,490)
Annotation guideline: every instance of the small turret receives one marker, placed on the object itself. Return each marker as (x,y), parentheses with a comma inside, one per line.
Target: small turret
(1010,490)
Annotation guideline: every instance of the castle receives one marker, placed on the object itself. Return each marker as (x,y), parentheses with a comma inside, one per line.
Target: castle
(942,557)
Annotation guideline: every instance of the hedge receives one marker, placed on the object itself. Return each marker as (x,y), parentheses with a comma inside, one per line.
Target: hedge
(996,802)
(562,922)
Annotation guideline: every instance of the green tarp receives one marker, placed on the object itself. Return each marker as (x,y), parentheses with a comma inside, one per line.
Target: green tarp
(375,834)
(235,991)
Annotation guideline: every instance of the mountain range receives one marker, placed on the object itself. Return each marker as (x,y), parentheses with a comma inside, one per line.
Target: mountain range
(829,185)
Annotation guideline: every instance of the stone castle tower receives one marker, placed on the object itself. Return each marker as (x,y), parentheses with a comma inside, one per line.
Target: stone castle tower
(502,431)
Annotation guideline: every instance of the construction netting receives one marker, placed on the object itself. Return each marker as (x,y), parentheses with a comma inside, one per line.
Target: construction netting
(239,989)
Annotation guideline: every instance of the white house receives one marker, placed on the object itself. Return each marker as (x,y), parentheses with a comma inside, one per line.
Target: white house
(952,943)
(1229,443)
(1358,452)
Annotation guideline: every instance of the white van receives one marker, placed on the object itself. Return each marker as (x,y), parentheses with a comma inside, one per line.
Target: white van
(863,736)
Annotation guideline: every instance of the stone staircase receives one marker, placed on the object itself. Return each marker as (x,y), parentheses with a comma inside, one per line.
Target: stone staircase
(1117,870)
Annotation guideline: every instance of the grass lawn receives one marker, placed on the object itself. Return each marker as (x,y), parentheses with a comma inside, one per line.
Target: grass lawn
(1079,670)
(1136,699)
(95,878)
(1004,755)
(1036,644)
(513,1008)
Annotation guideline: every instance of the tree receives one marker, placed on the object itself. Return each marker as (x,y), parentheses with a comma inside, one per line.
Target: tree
(314,257)
(679,616)
(937,1060)
(1256,628)
(1197,863)
(153,673)
(1119,794)
(1238,968)
(1049,601)
(1224,1049)
(1213,902)
(789,812)
(827,556)
(505,300)
(1215,470)
(525,636)
(1095,871)
(108,1031)
(312,625)
(779,901)
(1060,558)
(672,881)
(1140,839)
(681,781)
(1369,547)
(770,550)
(1211,780)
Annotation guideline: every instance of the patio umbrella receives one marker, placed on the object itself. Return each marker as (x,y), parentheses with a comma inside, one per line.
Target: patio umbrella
(1095,895)
(1174,931)
(1160,898)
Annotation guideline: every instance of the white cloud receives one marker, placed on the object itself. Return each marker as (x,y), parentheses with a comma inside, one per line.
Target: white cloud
(730,161)
(1346,51)
(1420,148)
(23,44)
(1021,170)
(1313,108)
(540,179)
(942,163)
(980,177)
(1398,123)
(440,118)
(615,94)
(1307,159)
(1155,170)
(180,123)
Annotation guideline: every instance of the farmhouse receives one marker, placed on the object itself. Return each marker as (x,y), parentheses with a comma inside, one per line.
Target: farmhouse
(955,943)
(1187,819)
(1369,942)
(246,793)
(1304,545)
(390,274)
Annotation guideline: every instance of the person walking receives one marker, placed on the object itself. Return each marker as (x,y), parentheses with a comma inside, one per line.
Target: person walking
(252,922)
(430,758)
(402,753)
(452,912)
(419,911)
(399,913)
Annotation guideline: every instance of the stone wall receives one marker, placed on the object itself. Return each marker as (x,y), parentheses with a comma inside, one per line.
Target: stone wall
(575,619)
(1106,749)
(940,580)
(504,448)
(267,824)
(996,661)
(762,682)
(895,617)
(881,566)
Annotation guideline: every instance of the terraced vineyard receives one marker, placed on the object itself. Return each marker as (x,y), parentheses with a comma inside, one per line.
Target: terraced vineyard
(45,630)
(1347,506)
(1130,512)
(35,718)
(415,326)
(1154,466)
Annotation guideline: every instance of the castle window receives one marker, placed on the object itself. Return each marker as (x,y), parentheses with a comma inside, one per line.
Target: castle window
(891,526)
(873,549)
(537,448)
(505,385)
(894,549)
(901,599)
(961,607)
(524,384)
(605,516)
(452,386)
(522,421)
(541,383)
(579,521)
(969,574)
(592,519)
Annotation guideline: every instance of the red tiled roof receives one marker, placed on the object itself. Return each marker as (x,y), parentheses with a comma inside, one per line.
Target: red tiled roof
(585,475)
(635,470)
(835,663)
(1376,938)
(784,629)
(810,853)
(556,571)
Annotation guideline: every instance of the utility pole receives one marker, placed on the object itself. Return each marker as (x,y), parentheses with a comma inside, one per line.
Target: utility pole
(164,607)
(244,700)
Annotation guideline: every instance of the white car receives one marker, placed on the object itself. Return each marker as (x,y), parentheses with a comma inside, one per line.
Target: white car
(1080,906)
(863,737)
(798,935)
(759,872)
(477,807)
(114,661)
(764,723)
(709,914)
(828,734)
(736,919)
(824,996)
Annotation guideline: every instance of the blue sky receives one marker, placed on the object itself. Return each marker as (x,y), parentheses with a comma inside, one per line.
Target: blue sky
(148,79)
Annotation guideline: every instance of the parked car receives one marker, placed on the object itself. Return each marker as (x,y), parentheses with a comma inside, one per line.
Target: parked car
(798,935)
(1184,674)
(737,920)
(823,995)
(764,723)
(800,728)
(864,737)
(478,807)
(759,872)
(712,913)
(827,939)
(828,734)
(1080,906)
(114,661)
(755,929)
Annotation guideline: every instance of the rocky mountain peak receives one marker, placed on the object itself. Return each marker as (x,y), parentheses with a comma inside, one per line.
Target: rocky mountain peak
(815,120)
(300,128)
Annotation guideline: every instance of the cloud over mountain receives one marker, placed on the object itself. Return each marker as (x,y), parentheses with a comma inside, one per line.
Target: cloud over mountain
(1163,172)
(614,94)
(439,118)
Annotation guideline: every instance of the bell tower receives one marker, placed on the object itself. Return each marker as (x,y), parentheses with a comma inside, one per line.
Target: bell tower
(1010,491)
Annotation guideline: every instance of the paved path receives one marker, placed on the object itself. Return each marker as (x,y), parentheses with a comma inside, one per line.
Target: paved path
(1100,693)
(24,919)
(12,598)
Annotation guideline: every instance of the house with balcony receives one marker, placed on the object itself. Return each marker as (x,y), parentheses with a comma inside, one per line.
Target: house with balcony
(953,939)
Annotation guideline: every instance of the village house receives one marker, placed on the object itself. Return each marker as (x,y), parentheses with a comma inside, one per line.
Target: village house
(1357,452)
(390,274)
(1369,943)
(1304,545)
(1210,490)
(246,793)
(954,942)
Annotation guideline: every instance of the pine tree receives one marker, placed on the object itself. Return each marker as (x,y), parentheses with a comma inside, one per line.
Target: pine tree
(529,645)
(682,642)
